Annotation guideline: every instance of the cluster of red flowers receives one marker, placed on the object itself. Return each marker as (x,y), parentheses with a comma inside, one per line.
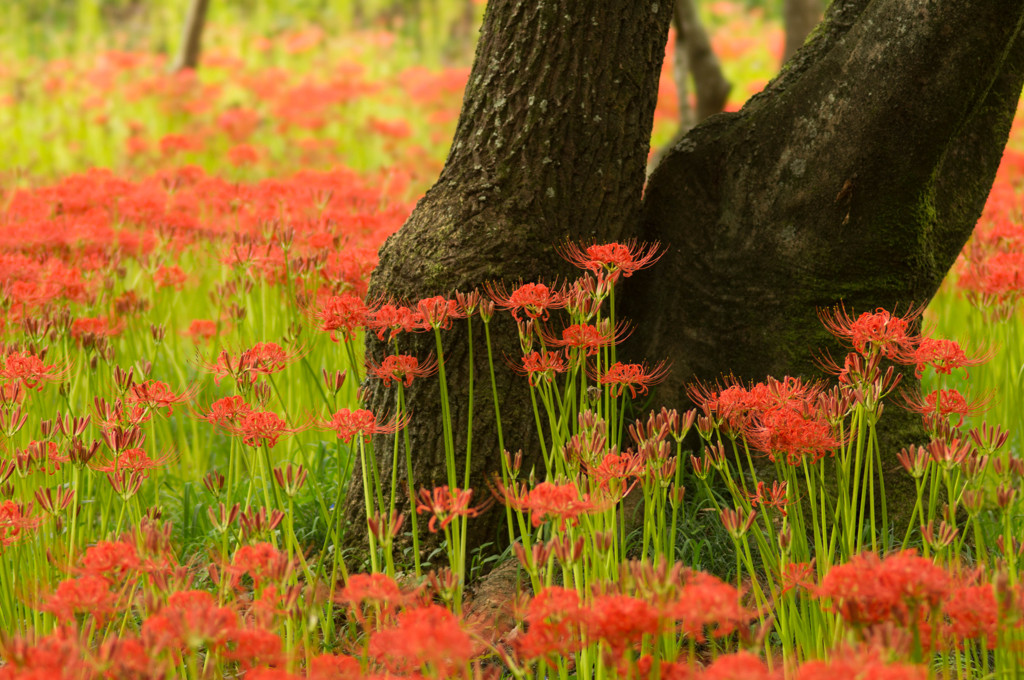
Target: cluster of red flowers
(698,605)
(991,267)
(912,592)
(785,418)
(548,500)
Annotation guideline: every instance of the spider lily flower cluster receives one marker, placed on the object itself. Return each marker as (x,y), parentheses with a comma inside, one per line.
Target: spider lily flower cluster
(181,406)
(602,601)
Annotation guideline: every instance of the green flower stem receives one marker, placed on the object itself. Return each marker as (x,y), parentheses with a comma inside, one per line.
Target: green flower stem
(410,483)
(446,414)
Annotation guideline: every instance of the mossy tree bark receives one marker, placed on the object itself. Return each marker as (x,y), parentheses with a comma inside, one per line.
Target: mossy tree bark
(551,145)
(855,177)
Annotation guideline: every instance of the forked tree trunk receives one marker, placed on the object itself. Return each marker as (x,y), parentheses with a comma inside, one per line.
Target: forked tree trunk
(855,177)
(800,18)
(191,37)
(693,55)
(551,145)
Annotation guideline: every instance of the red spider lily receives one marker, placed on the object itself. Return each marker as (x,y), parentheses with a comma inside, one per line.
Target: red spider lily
(706,604)
(429,637)
(334,667)
(11,394)
(797,575)
(941,406)
(942,355)
(54,501)
(96,327)
(792,434)
(385,528)
(548,500)
(30,370)
(201,329)
(439,311)
(740,665)
(621,621)
(736,522)
(535,300)
(634,377)
(46,456)
(972,612)
(731,406)
(375,588)
(190,619)
(445,504)
(590,337)
(266,358)
(110,559)
(736,408)
(667,670)
(865,374)
(392,319)
(347,424)
(554,617)
(123,657)
(949,452)
(344,314)
(775,497)
(257,428)
(263,562)
(584,296)
(227,411)
(403,368)
(274,602)
(544,366)
(110,417)
(134,459)
(468,303)
(263,358)
(860,663)
(290,478)
(154,394)
(129,303)
(86,594)
(900,589)
(993,278)
(126,483)
(253,647)
(616,468)
(169,277)
(877,332)
(612,259)
(14,519)
(45,657)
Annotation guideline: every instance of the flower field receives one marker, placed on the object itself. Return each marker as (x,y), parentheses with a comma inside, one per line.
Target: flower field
(184,262)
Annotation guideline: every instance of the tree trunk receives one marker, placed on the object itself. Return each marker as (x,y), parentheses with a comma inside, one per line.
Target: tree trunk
(551,145)
(709,82)
(694,56)
(800,17)
(855,177)
(192,37)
